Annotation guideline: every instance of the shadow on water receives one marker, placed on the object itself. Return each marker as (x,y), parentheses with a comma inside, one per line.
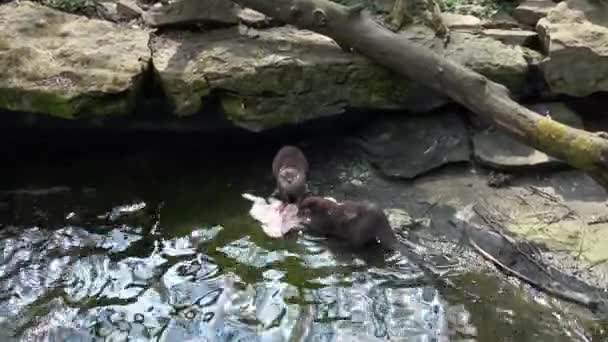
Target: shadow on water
(77,262)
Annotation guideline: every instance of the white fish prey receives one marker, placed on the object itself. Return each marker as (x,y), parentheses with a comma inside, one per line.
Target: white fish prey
(275,217)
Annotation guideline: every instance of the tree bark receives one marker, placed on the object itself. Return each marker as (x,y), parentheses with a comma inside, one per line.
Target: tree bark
(351,28)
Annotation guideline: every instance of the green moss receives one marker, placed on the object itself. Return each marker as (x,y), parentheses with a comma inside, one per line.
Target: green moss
(578,151)
(4,45)
(66,108)
(183,95)
(277,96)
(233,106)
(36,101)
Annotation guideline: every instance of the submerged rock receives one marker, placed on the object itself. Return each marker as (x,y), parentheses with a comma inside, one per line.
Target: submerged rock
(575,37)
(66,65)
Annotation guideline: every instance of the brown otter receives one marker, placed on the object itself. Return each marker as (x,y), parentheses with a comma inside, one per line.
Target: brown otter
(357,223)
(290,169)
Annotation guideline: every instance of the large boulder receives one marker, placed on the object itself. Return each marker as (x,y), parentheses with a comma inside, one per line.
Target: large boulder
(66,65)
(575,37)
(267,78)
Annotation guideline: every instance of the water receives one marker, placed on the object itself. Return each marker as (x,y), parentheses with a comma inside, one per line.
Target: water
(158,245)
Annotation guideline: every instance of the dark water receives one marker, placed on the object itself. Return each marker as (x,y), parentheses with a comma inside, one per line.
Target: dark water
(157,244)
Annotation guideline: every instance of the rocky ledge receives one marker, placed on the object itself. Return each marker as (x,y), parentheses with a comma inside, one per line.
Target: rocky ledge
(264,75)
(67,65)
(574,35)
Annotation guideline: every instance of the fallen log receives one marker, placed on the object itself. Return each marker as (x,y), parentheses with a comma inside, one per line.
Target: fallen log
(353,29)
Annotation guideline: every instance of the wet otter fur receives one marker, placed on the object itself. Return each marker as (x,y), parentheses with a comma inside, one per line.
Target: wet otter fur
(359,224)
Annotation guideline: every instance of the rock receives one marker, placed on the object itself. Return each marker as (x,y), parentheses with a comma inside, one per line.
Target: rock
(505,64)
(108,11)
(411,146)
(255,19)
(384,5)
(67,65)
(184,12)
(274,77)
(461,22)
(512,37)
(529,12)
(574,36)
(496,149)
(501,20)
(278,76)
(128,9)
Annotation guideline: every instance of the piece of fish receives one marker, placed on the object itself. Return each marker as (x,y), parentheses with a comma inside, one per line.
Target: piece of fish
(276,218)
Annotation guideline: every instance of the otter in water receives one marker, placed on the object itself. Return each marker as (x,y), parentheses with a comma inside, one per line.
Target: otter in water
(357,223)
(290,169)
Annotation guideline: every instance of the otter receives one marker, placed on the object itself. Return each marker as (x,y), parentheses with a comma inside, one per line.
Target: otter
(357,223)
(290,169)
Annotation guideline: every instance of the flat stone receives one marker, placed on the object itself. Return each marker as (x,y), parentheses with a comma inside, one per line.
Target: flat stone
(511,37)
(184,12)
(67,65)
(498,150)
(128,9)
(529,12)
(255,19)
(501,20)
(574,36)
(461,21)
(411,146)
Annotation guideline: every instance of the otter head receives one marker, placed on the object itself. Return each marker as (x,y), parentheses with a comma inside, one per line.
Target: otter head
(315,205)
(291,184)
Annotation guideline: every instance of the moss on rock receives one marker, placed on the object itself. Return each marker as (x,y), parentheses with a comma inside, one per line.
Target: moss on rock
(66,65)
(282,75)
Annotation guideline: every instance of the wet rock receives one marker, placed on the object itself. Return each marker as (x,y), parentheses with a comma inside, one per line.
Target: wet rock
(461,22)
(574,36)
(496,149)
(529,12)
(67,65)
(268,78)
(185,12)
(511,37)
(409,147)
